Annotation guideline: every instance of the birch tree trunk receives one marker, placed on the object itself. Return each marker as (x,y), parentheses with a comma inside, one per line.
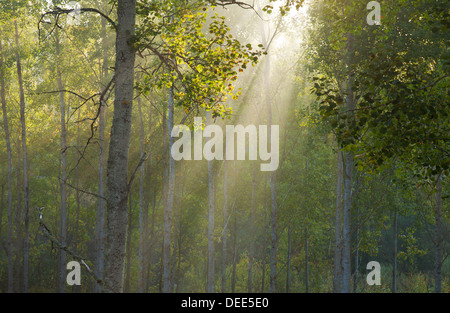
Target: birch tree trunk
(233,273)
(252,234)
(225,226)
(438,237)
(170,198)
(142,232)
(26,196)
(117,167)
(210,281)
(272,175)
(63,144)
(337,278)
(348,181)
(9,175)
(128,249)
(394,266)
(288,266)
(100,217)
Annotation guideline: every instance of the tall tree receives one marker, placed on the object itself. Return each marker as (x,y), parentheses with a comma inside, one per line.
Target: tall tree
(9,175)
(337,272)
(168,211)
(117,167)
(26,196)
(63,224)
(211,216)
(100,218)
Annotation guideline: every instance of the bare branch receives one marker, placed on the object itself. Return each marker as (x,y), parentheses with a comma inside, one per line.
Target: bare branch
(47,233)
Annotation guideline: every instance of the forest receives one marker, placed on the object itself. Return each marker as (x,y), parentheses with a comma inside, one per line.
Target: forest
(224,146)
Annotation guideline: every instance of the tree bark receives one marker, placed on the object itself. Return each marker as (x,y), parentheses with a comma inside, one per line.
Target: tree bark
(272,175)
(348,181)
(288,266)
(225,226)
(26,196)
(306,260)
(117,167)
(170,198)
(337,278)
(9,175)
(233,273)
(100,216)
(394,266)
(63,223)
(210,281)
(438,237)
(128,249)
(142,233)
(252,233)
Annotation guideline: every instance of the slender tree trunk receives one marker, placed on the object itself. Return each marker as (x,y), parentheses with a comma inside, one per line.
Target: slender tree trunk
(9,175)
(346,245)
(117,168)
(252,233)
(233,274)
(394,266)
(263,279)
(306,260)
(210,281)
(306,234)
(288,266)
(148,242)
(337,279)
(438,238)
(170,198)
(77,288)
(26,196)
(225,226)
(100,217)
(63,223)
(355,275)
(272,177)
(129,232)
(18,268)
(141,206)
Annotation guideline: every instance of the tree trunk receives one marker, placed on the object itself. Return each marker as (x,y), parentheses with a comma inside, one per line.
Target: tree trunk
(210,281)
(26,196)
(355,275)
(263,279)
(233,273)
(18,268)
(252,233)
(117,167)
(63,223)
(346,244)
(288,269)
(337,278)
(438,237)
(225,226)
(394,266)
(170,198)
(129,232)
(272,176)
(306,260)
(141,206)
(100,218)
(9,176)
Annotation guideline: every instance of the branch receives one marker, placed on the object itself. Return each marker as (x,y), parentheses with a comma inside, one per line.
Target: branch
(141,161)
(47,233)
